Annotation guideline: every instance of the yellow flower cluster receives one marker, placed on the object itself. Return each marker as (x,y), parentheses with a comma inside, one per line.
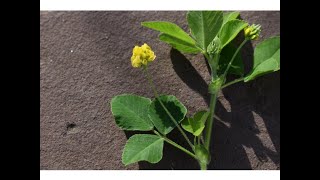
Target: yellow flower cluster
(252,32)
(142,56)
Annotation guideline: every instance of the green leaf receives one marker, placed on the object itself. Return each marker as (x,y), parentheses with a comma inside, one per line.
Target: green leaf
(196,124)
(178,44)
(192,126)
(201,116)
(204,26)
(230,30)
(228,16)
(131,112)
(237,67)
(268,66)
(266,49)
(266,58)
(170,29)
(160,118)
(143,147)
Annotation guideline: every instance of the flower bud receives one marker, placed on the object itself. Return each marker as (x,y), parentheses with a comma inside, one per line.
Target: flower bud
(252,32)
(214,47)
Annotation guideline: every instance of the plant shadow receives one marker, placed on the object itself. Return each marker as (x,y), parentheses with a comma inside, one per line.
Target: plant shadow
(249,133)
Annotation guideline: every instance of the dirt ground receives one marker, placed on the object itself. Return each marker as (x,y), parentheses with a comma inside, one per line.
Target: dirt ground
(85,61)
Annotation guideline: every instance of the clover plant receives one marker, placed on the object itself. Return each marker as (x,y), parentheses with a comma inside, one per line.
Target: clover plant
(211,34)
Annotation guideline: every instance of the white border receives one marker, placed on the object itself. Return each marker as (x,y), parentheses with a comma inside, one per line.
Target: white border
(160,175)
(159,5)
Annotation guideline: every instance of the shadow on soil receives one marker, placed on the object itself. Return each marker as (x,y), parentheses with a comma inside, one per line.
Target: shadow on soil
(238,129)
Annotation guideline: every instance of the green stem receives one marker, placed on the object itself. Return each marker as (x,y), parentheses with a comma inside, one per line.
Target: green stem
(232,82)
(209,123)
(206,55)
(169,114)
(215,59)
(203,166)
(211,61)
(175,144)
(233,57)
(212,105)
(201,139)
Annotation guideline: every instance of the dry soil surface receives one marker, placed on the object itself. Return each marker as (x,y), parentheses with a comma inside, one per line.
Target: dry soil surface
(85,61)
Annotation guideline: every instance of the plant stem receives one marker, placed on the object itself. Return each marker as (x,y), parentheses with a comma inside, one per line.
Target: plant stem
(209,123)
(232,82)
(211,61)
(175,144)
(207,56)
(213,100)
(203,166)
(233,57)
(169,114)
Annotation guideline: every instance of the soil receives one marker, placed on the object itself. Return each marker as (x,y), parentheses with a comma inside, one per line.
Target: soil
(85,61)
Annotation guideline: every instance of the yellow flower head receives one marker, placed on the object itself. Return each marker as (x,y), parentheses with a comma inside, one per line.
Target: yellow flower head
(252,32)
(142,55)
